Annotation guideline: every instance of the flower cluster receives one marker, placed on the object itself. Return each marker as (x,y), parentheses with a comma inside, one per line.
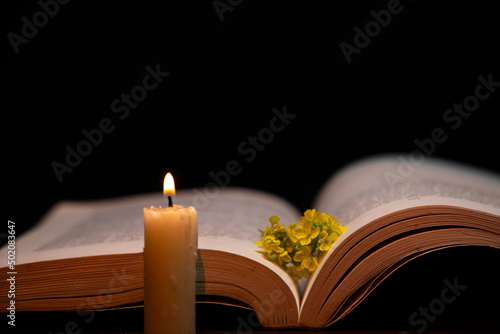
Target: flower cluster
(300,247)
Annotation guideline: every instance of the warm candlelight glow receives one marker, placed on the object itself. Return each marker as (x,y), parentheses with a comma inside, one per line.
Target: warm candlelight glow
(170,250)
(169,185)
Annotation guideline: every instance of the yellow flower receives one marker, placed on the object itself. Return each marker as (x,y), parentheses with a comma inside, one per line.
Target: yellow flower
(300,247)
(309,263)
(302,254)
(309,214)
(268,234)
(324,246)
(274,220)
(309,236)
(327,242)
(304,233)
(288,246)
(284,257)
(338,229)
(260,243)
(290,232)
(273,246)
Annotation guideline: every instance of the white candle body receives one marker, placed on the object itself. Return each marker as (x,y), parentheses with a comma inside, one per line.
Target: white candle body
(170,251)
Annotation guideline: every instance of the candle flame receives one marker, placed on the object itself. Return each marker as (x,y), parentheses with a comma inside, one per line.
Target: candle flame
(168,185)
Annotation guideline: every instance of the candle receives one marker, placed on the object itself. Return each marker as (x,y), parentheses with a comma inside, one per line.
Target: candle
(170,251)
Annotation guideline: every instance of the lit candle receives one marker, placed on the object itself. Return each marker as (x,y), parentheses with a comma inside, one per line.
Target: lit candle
(170,248)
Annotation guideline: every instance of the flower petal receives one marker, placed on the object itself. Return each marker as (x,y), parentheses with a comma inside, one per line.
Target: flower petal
(314,264)
(274,220)
(299,256)
(285,257)
(306,240)
(268,246)
(291,235)
(300,233)
(306,263)
(315,233)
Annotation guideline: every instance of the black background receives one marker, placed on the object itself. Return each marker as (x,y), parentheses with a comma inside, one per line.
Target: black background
(225,79)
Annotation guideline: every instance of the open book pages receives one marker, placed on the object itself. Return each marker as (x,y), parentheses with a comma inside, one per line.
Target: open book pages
(394,208)
(375,186)
(388,187)
(228,222)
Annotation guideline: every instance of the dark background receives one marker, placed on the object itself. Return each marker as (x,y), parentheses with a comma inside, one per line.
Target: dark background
(225,79)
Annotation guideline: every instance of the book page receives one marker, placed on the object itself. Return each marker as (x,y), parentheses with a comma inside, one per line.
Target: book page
(377,186)
(383,181)
(229,221)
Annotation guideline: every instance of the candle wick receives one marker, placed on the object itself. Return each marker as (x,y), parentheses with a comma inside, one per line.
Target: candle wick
(170,204)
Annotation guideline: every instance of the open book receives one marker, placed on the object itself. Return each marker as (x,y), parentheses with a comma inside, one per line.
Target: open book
(88,255)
